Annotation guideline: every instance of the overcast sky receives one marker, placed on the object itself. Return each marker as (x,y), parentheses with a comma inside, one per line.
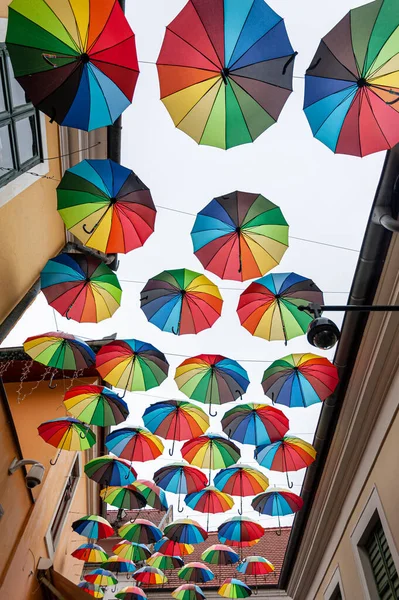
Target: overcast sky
(325,198)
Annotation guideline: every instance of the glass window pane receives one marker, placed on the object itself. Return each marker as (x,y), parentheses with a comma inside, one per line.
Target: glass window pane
(2,99)
(6,160)
(17,93)
(26,137)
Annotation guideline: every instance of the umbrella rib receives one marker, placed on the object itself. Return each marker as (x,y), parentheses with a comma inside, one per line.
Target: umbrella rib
(242,113)
(234,75)
(65,29)
(92,56)
(209,38)
(194,48)
(102,30)
(371,35)
(219,83)
(196,104)
(252,45)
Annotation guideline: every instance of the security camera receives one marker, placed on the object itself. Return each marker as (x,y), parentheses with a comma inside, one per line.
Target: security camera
(35,475)
(323,333)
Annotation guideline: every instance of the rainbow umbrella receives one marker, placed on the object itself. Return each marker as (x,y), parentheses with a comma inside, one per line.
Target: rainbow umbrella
(219,554)
(225,70)
(150,576)
(255,424)
(352,86)
(81,287)
(196,572)
(128,497)
(106,206)
(117,564)
(140,532)
(240,236)
(234,588)
(101,577)
(288,454)
(240,531)
(131,551)
(66,433)
(165,563)
(90,553)
(181,301)
(175,420)
(210,451)
(209,500)
(169,548)
(188,591)
(185,531)
(134,444)
(96,404)
(93,590)
(300,380)
(180,478)
(131,593)
(268,308)
(255,565)
(211,379)
(241,480)
(277,503)
(93,527)
(153,494)
(76,62)
(109,471)
(132,365)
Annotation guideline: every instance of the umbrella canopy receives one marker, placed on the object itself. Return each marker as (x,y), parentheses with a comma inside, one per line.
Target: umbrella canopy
(140,532)
(185,531)
(255,424)
(219,554)
(289,454)
(277,503)
(163,562)
(150,576)
(240,531)
(128,498)
(131,592)
(175,420)
(93,527)
(109,471)
(234,588)
(196,572)
(241,480)
(67,433)
(180,478)
(77,62)
(96,404)
(188,591)
(131,551)
(209,500)
(60,351)
(106,206)
(181,301)
(169,548)
(132,365)
(90,553)
(134,444)
(93,590)
(268,308)
(225,72)
(255,565)
(153,494)
(81,287)
(352,88)
(211,379)
(101,577)
(300,380)
(210,451)
(240,236)
(117,564)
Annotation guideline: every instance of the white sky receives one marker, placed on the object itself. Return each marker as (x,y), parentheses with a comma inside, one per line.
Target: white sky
(324,197)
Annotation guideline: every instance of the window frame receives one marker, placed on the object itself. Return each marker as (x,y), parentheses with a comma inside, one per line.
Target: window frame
(334,586)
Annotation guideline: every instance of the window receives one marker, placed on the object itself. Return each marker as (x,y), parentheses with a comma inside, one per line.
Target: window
(20,143)
(382,565)
(336,595)
(334,590)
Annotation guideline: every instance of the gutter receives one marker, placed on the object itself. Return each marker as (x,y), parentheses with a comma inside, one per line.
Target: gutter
(365,283)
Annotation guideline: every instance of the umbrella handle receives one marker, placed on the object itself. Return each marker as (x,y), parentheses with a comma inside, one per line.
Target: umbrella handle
(171,450)
(279,527)
(174,332)
(289,483)
(315,65)
(113,590)
(289,61)
(54,462)
(239,510)
(50,383)
(179,509)
(89,231)
(211,414)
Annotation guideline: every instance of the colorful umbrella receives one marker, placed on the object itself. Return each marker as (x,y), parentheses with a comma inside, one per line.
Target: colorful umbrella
(93,590)
(185,531)
(255,565)
(241,480)
(66,433)
(128,498)
(289,454)
(154,495)
(210,451)
(117,564)
(240,531)
(163,562)
(211,379)
(181,301)
(196,572)
(300,380)
(131,593)
(225,72)
(268,308)
(140,532)
(60,351)
(106,206)
(188,591)
(101,577)
(240,236)
(234,588)
(134,444)
(170,548)
(90,553)
(209,500)
(352,88)
(132,365)
(180,478)
(109,471)
(96,404)
(131,551)
(150,576)
(175,420)
(255,424)
(219,554)
(277,503)
(77,62)
(81,287)
(93,527)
